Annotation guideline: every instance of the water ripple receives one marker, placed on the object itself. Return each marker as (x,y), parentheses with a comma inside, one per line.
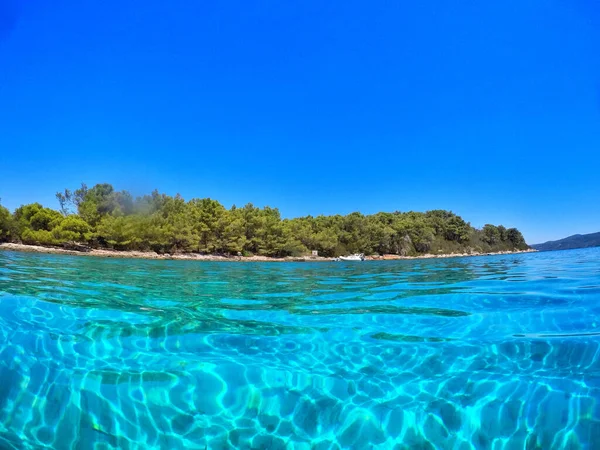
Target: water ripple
(489,353)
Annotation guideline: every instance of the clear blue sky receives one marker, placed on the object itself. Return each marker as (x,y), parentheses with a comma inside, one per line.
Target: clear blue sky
(489,109)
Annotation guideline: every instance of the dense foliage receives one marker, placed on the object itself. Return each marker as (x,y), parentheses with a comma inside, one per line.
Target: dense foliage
(104,218)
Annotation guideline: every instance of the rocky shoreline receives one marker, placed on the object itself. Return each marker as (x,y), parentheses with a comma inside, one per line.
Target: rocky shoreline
(199,257)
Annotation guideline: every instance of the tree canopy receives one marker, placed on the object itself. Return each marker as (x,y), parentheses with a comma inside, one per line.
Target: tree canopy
(102,217)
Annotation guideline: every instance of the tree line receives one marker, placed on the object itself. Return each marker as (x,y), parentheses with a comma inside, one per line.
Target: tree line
(102,217)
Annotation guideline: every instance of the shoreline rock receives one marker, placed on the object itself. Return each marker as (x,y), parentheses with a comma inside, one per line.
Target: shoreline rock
(103,253)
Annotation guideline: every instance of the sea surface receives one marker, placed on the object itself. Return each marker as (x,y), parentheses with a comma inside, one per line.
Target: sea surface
(497,352)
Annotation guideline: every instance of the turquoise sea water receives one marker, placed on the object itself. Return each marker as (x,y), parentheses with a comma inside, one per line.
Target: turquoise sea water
(494,352)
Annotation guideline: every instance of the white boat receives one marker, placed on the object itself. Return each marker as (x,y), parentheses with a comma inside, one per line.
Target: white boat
(355,257)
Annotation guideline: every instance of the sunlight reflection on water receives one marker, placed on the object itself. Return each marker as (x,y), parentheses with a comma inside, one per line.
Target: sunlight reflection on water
(489,352)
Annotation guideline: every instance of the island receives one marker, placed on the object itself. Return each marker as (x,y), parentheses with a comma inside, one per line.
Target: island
(571,242)
(107,222)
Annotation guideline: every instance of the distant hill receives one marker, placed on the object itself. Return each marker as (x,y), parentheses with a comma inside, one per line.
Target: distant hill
(575,241)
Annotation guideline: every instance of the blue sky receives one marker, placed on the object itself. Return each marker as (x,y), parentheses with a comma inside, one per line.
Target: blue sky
(489,109)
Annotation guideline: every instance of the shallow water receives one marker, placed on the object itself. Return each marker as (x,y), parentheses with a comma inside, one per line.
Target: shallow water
(494,352)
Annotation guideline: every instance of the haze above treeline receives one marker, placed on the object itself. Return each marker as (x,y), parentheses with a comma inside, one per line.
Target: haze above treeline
(102,217)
